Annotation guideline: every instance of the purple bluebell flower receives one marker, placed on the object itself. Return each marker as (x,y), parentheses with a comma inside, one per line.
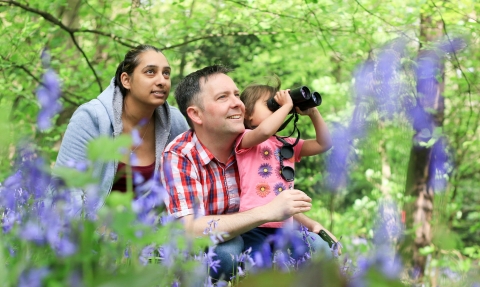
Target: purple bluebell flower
(33,277)
(32,231)
(210,261)
(452,45)
(150,198)
(387,86)
(440,166)
(48,95)
(389,228)
(338,159)
(336,247)
(146,254)
(64,247)
(167,254)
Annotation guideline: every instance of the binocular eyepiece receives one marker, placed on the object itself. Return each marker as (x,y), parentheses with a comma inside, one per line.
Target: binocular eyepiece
(301,97)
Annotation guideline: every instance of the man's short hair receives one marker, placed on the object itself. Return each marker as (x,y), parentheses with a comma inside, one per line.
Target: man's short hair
(189,88)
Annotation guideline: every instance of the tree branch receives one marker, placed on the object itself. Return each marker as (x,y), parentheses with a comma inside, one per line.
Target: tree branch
(39,82)
(385,21)
(50,18)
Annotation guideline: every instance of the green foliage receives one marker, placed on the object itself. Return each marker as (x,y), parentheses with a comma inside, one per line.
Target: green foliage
(313,43)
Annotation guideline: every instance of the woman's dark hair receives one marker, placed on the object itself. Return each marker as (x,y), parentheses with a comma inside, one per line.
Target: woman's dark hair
(130,62)
(253,92)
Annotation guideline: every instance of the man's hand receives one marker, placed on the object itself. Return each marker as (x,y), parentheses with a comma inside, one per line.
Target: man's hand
(286,204)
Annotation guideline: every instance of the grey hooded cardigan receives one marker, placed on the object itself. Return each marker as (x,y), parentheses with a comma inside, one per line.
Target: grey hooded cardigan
(102,117)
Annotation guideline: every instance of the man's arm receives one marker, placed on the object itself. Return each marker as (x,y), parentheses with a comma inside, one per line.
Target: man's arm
(285,205)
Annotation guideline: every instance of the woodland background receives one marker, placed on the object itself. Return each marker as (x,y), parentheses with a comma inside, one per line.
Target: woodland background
(315,43)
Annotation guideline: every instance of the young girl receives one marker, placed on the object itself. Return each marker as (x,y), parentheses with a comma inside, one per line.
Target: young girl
(261,161)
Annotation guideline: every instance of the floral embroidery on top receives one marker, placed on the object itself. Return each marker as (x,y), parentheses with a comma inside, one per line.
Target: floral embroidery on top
(277,154)
(266,152)
(279,187)
(263,189)
(265,170)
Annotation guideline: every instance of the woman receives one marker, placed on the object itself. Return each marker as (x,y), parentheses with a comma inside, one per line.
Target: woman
(135,98)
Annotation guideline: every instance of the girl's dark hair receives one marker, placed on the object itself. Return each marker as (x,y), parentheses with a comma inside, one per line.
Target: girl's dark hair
(130,62)
(253,92)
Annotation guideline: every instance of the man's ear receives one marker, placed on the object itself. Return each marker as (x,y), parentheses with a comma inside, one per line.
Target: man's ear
(125,79)
(195,114)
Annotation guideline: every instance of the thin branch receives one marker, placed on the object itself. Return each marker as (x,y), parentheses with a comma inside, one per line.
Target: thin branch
(469,91)
(460,13)
(39,82)
(385,21)
(323,35)
(209,36)
(266,11)
(50,18)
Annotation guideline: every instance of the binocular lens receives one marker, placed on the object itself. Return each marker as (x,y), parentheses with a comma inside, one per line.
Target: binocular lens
(305,92)
(317,99)
(301,97)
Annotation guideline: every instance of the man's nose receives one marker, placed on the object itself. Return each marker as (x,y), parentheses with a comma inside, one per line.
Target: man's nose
(236,102)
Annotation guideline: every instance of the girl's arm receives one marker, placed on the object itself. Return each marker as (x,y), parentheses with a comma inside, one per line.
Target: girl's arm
(269,126)
(322,142)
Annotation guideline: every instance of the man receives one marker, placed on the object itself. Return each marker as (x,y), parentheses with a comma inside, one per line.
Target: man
(199,168)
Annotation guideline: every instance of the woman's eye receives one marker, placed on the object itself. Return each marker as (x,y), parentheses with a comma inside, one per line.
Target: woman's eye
(166,73)
(150,71)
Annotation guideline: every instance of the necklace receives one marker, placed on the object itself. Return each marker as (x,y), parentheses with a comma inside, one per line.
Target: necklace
(141,140)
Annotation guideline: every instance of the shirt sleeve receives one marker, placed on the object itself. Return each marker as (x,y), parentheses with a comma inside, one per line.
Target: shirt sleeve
(297,149)
(239,140)
(181,181)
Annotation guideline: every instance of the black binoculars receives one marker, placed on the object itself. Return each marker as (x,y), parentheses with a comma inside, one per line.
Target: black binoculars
(301,97)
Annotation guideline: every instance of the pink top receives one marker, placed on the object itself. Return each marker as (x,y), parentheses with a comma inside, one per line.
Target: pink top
(259,169)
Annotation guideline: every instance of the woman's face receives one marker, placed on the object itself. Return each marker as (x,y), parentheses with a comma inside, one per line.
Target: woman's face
(150,82)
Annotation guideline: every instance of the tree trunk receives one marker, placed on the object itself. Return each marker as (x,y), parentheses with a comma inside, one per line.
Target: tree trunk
(429,93)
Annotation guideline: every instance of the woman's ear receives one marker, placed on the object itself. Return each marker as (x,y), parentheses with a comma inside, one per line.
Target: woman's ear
(125,79)
(195,114)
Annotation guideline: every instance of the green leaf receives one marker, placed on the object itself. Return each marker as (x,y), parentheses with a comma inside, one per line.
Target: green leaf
(107,149)
(75,178)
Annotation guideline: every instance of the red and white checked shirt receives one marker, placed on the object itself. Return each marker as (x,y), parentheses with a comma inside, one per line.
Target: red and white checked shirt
(197,183)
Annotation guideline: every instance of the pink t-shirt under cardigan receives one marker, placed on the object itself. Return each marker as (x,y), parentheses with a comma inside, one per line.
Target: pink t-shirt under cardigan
(259,169)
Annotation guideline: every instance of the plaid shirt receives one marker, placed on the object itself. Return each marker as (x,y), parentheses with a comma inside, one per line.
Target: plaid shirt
(196,182)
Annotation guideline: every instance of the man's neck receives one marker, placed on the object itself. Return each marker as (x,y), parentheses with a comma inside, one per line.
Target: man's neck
(221,149)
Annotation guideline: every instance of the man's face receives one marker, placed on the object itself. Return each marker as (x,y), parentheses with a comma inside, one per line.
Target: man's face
(223,111)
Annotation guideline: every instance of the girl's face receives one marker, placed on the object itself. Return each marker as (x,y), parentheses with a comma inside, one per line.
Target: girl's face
(150,83)
(260,111)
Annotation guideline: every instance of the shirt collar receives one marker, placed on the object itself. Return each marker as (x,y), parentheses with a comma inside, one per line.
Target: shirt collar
(206,156)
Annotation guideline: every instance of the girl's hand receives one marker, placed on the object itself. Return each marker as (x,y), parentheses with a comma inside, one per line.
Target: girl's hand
(307,112)
(283,98)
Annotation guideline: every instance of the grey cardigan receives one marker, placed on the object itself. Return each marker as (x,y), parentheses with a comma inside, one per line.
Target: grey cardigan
(102,116)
